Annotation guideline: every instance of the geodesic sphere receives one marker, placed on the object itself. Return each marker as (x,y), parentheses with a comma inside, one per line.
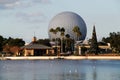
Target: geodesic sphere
(67,20)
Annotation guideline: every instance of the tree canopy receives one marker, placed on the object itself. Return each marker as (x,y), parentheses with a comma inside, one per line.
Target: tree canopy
(44,42)
(16,42)
(76,30)
(114,40)
(10,42)
(1,42)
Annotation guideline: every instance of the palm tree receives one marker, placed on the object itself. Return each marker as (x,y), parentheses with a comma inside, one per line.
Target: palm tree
(76,30)
(54,31)
(62,31)
(67,42)
(57,29)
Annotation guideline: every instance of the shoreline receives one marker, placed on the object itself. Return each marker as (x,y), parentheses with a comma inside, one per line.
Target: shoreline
(62,57)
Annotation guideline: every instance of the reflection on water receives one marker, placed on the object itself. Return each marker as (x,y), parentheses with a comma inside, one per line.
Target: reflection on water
(60,70)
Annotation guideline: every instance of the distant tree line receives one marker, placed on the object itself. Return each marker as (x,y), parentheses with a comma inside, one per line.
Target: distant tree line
(114,40)
(10,45)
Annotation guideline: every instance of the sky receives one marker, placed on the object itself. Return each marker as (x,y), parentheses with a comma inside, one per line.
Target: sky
(26,18)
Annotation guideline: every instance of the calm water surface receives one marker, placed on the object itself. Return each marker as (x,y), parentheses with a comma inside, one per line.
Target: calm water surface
(60,70)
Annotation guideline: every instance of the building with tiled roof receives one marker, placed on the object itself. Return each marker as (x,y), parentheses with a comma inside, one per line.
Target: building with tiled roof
(36,49)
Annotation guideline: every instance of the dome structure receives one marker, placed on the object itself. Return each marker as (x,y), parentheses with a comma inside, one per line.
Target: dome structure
(67,20)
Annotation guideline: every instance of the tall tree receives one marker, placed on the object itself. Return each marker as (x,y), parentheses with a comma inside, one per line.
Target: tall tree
(94,45)
(62,33)
(68,42)
(1,43)
(76,30)
(55,31)
(62,30)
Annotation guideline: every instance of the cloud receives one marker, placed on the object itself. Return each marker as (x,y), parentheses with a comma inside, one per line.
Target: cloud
(9,4)
(42,1)
(36,17)
(7,1)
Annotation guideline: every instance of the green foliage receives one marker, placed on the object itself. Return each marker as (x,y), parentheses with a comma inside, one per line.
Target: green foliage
(54,31)
(1,42)
(62,30)
(67,36)
(94,45)
(10,42)
(76,30)
(58,29)
(68,42)
(16,42)
(102,43)
(1,38)
(114,40)
(44,42)
(83,50)
(0,47)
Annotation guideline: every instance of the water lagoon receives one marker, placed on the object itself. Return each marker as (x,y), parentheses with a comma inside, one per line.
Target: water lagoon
(60,70)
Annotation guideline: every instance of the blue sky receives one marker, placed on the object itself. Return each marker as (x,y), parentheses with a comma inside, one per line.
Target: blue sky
(21,18)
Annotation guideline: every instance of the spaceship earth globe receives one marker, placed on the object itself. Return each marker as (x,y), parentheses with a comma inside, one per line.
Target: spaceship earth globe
(67,20)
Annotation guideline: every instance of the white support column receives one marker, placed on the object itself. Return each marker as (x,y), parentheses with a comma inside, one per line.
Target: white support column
(79,48)
(47,51)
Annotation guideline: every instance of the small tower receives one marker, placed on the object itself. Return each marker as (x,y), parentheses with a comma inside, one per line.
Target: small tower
(34,39)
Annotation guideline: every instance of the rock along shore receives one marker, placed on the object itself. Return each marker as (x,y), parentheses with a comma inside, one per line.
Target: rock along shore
(61,57)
